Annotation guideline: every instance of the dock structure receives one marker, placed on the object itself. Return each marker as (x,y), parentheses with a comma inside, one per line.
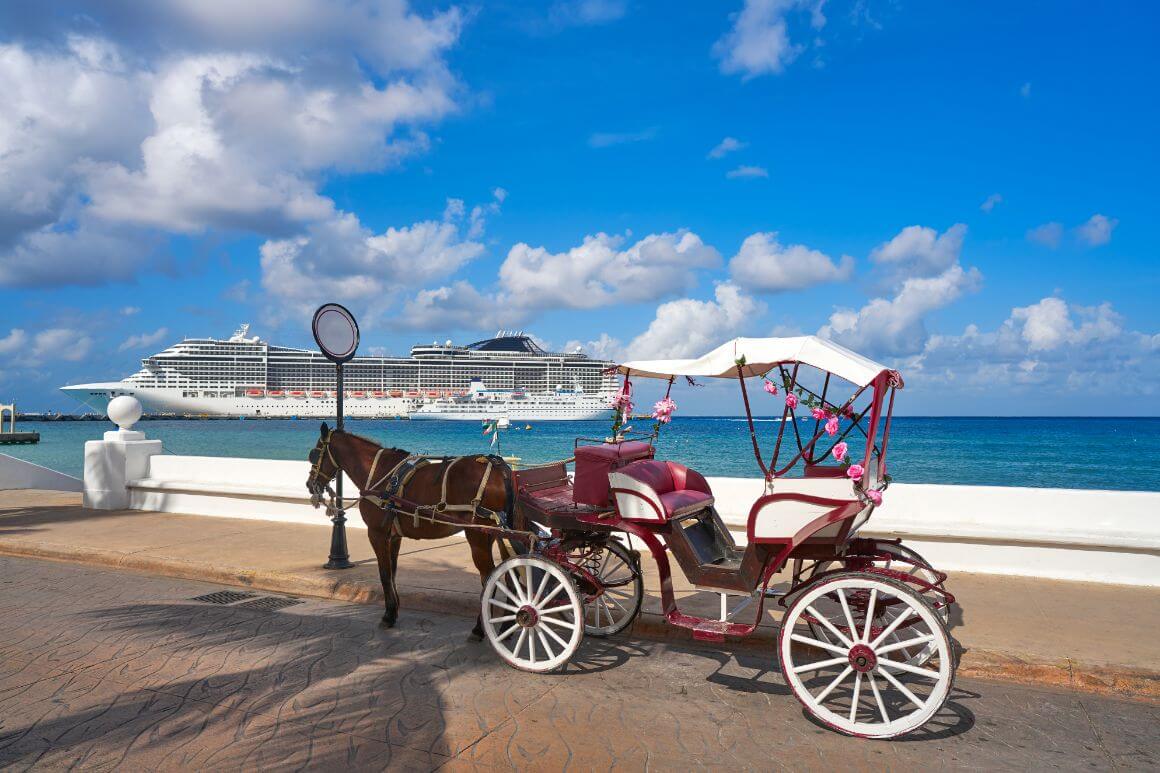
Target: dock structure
(10,436)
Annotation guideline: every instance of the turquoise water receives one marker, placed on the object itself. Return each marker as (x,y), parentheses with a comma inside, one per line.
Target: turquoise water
(1089,453)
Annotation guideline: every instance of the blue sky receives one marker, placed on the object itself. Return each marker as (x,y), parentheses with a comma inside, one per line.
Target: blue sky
(964,191)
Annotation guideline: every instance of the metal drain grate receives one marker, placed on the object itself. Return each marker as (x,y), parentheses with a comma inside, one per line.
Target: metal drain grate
(270,603)
(224,597)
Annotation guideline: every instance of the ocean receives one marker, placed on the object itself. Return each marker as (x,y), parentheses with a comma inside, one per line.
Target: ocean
(1083,453)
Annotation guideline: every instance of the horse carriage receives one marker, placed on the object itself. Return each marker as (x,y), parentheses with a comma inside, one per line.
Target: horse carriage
(863,642)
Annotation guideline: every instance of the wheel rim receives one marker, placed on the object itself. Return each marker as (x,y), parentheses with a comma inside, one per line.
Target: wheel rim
(855,681)
(531,614)
(917,568)
(613,610)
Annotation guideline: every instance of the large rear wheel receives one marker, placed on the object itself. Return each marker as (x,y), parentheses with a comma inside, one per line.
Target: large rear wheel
(611,607)
(532,614)
(856,680)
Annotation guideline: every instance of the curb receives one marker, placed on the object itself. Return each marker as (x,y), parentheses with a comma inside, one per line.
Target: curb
(1111,680)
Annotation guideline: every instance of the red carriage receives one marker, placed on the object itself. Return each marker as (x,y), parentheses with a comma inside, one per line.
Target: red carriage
(863,642)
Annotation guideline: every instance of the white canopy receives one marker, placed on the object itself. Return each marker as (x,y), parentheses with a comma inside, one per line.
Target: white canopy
(761,355)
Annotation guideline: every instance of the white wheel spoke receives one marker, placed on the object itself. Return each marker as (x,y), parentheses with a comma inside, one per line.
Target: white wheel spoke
(520,641)
(507,633)
(820,665)
(890,628)
(504,619)
(502,605)
(903,645)
(539,590)
(849,618)
(528,583)
(830,625)
(878,698)
(820,644)
(555,636)
(606,598)
(558,623)
(837,680)
(559,589)
(870,614)
(854,700)
(514,599)
(548,653)
(902,688)
(909,668)
(531,645)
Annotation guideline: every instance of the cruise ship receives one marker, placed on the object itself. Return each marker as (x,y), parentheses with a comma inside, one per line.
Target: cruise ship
(507,376)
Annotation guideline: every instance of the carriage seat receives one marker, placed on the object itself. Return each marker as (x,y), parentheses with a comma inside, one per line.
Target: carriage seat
(595,462)
(651,490)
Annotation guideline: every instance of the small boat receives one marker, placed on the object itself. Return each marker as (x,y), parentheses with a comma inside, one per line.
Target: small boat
(412,393)
(432,392)
(276,393)
(297,393)
(360,394)
(527,426)
(317,393)
(396,393)
(378,394)
(254,393)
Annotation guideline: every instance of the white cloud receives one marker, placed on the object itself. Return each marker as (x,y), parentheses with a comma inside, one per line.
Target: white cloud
(918,250)
(1048,234)
(897,326)
(991,202)
(459,306)
(602,271)
(608,139)
(14,342)
(727,146)
(758,42)
(688,327)
(747,172)
(128,311)
(764,264)
(1025,90)
(59,344)
(567,13)
(603,348)
(186,116)
(1097,230)
(143,340)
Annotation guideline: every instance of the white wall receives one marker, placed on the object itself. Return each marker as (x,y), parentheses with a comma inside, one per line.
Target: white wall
(17,473)
(1100,536)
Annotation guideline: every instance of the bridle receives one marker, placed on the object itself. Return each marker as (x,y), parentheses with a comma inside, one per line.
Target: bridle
(318,482)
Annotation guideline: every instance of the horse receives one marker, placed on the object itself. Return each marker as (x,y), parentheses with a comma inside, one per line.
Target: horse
(402,495)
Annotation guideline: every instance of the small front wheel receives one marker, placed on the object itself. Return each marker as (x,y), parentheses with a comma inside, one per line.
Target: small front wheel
(857,680)
(532,614)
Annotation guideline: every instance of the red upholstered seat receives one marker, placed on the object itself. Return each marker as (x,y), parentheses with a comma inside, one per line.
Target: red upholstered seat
(593,463)
(656,490)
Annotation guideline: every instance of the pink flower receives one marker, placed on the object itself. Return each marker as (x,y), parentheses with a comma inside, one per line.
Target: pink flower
(839,451)
(771,387)
(855,472)
(848,411)
(818,414)
(832,426)
(663,410)
(791,400)
(874,496)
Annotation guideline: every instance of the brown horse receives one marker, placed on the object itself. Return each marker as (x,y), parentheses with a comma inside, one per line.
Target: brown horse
(370,466)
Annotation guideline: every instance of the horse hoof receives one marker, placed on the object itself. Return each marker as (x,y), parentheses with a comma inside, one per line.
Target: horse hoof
(387,622)
(475,636)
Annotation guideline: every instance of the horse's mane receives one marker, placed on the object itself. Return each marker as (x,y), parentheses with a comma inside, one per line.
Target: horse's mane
(365,439)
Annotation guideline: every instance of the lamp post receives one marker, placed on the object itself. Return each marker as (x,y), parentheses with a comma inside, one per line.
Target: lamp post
(336,333)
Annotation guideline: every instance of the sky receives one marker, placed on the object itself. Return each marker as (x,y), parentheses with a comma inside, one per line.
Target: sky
(964,191)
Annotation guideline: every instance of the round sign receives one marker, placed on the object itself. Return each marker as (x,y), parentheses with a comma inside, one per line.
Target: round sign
(335,331)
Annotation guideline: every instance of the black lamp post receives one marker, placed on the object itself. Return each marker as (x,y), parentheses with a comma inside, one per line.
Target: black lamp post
(336,333)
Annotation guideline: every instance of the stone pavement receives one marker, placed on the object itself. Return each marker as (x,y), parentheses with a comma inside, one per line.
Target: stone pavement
(1086,636)
(103,669)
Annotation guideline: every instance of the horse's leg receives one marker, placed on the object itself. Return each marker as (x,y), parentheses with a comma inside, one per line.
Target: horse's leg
(480,542)
(385,543)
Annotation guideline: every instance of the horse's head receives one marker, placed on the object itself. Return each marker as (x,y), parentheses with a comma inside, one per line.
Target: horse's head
(323,467)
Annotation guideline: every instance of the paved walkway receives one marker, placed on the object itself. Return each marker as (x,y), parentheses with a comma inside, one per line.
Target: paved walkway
(101,673)
(1080,635)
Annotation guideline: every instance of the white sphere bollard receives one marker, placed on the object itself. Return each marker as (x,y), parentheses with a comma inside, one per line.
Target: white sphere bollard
(124,411)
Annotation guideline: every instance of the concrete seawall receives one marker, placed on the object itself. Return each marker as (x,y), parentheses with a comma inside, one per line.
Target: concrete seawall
(1096,536)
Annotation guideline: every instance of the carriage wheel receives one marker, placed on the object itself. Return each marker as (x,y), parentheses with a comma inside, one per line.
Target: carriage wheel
(904,560)
(532,614)
(618,571)
(855,680)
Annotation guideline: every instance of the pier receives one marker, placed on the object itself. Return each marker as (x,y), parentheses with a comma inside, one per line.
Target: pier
(11,437)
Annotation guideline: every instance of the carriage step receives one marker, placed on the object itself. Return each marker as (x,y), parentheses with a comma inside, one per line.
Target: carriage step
(700,634)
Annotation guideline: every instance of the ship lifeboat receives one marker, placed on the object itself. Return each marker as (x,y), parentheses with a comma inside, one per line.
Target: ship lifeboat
(432,392)
(318,393)
(276,393)
(254,393)
(360,394)
(379,395)
(396,393)
(297,393)
(413,393)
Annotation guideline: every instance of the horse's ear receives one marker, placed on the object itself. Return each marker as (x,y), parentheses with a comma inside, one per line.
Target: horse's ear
(324,430)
